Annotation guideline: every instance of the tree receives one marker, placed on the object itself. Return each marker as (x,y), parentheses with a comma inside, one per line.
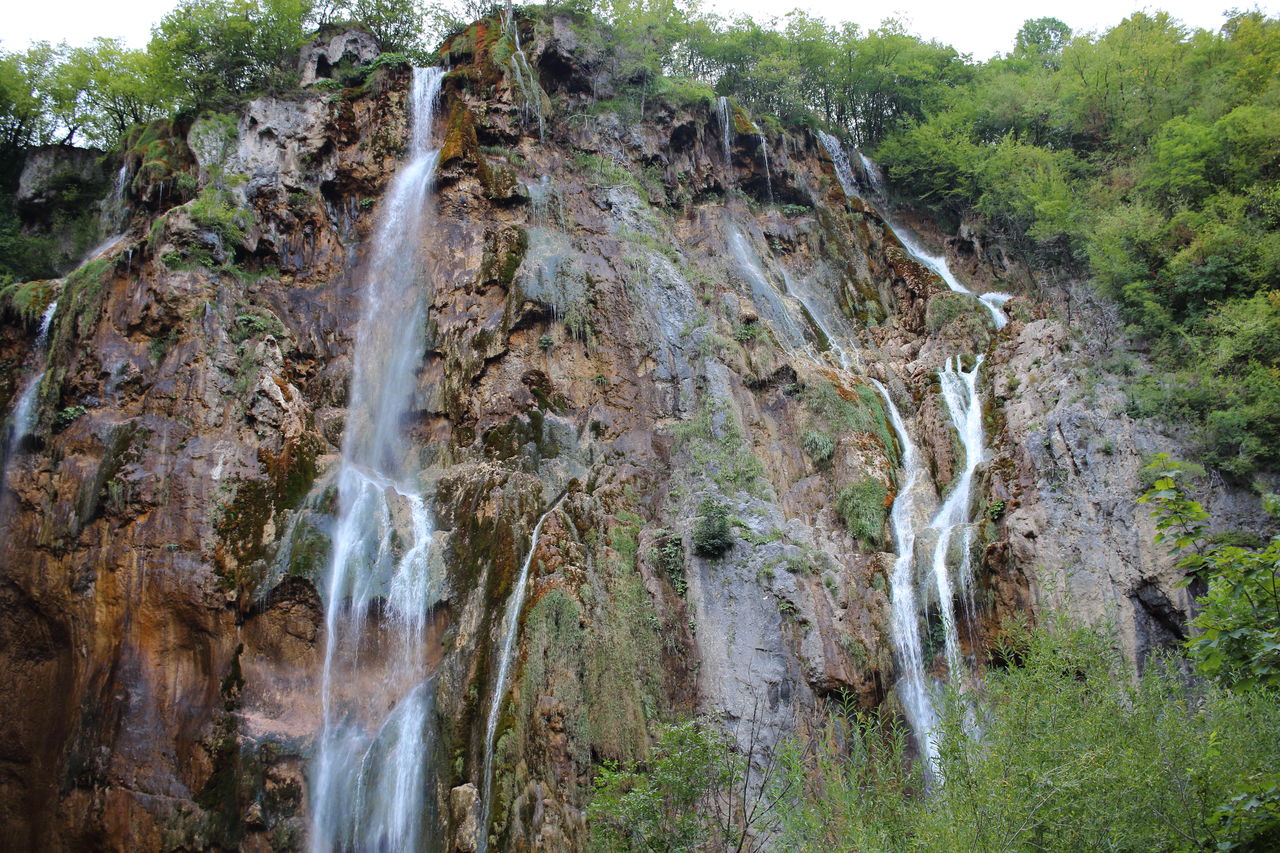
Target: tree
(397,24)
(1042,40)
(220,51)
(1238,627)
(107,88)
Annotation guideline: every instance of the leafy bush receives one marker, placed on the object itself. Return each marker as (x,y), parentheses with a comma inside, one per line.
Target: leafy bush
(657,805)
(1074,751)
(819,445)
(1238,636)
(862,505)
(712,534)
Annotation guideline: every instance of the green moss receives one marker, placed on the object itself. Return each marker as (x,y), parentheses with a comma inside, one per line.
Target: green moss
(742,122)
(504,251)
(497,181)
(856,410)
(240,523)
(460,142)
(724,456)
(80,306)
(27,299)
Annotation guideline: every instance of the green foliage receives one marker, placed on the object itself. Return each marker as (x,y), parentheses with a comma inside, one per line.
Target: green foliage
(216,209)
(219,51)
(712,534)
(819,445)
(1074,751)
(861,411)
(256,323)
(716,443)
(1149,156)
(656,806)
(1250,820)
(397,24)
(863,505)
(1237,639)
(66,416)
(669,555)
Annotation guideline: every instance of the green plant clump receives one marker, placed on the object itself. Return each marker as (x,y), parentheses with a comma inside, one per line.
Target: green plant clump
(712,533)
(862,506)
(819,445)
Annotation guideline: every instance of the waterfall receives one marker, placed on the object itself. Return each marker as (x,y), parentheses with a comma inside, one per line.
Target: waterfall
(541,196)
(960,392)
(113,213)
(768,175)
(844,171)
(994,302)
(24,411)
(510,629)
(725,114)
(766,295)
(526,79)
(912,690)
(370,775)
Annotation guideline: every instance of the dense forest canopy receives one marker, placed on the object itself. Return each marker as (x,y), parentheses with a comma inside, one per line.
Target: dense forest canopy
(1144,157)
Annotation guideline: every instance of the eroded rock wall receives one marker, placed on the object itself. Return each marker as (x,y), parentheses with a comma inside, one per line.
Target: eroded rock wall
(616,317)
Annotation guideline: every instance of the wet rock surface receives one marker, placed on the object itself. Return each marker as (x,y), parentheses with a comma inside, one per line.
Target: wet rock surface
(592,332)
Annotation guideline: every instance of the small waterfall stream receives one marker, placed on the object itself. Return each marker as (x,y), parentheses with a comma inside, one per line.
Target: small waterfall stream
(510,630)
(24,410)
(768,173)
(993,302)
(766,296)
(725,115)
(526,79)
(370,775)
(960,392)
(912,688)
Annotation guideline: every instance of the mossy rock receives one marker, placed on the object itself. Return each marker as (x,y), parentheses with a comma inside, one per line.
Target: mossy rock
(461,146)
(742,122)
(499,183)
(504,251)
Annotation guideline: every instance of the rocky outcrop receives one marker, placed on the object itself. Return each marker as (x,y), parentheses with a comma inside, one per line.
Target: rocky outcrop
(619,315)
(331,53)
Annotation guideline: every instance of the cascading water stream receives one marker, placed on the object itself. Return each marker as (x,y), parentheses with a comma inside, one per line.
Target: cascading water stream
(994,302)
(960,392)
(766,295)
(530,89)
(510,630)
(912,688)
(24,411)
(768,173)
(370,776)
(725,114)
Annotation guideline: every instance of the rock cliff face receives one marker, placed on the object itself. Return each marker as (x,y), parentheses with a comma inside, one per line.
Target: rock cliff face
(625,309)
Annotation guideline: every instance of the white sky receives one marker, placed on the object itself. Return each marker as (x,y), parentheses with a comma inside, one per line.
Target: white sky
(979,28)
